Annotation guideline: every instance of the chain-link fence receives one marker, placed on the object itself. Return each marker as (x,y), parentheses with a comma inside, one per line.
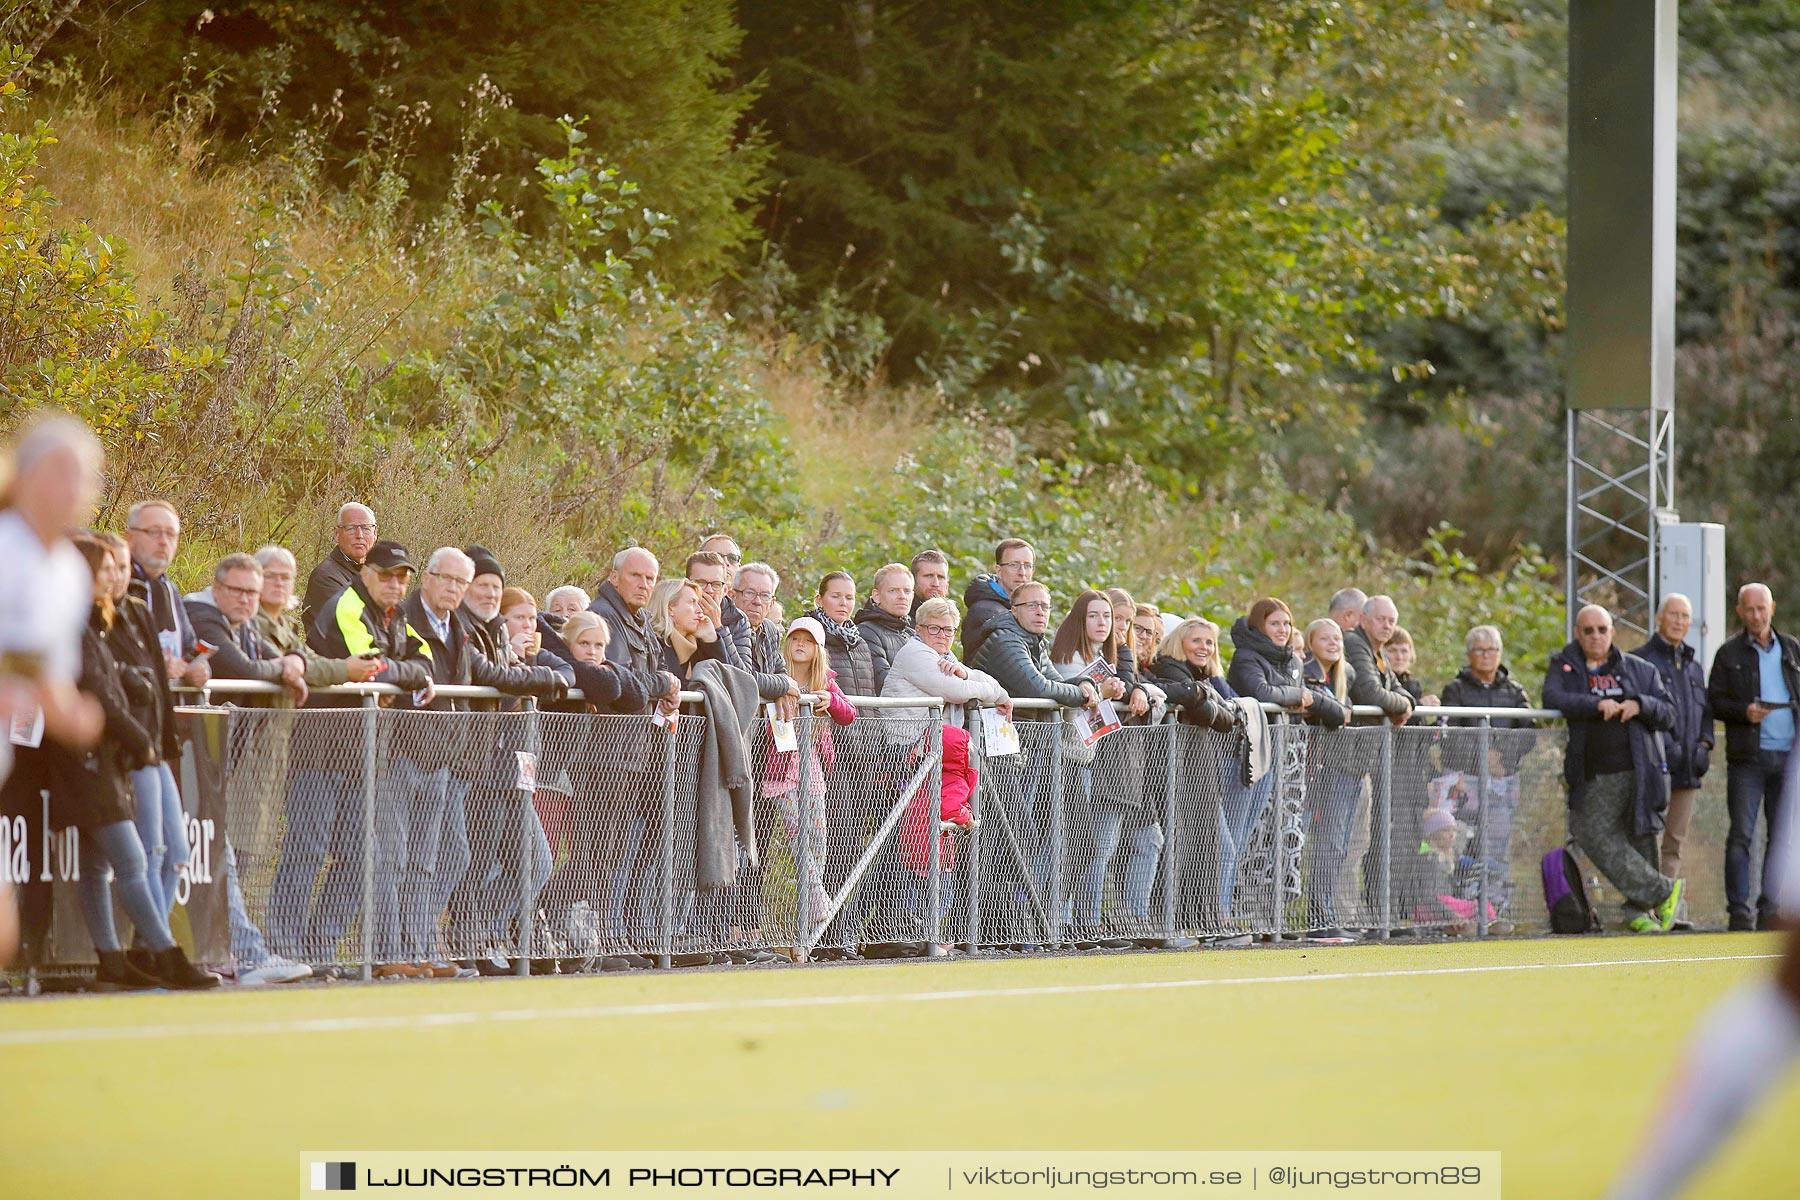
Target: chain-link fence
(382,841)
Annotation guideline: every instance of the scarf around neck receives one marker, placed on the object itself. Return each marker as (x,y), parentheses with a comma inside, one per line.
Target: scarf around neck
(847,632)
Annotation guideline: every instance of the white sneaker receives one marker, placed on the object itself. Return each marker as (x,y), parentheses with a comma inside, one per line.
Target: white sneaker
(276,970)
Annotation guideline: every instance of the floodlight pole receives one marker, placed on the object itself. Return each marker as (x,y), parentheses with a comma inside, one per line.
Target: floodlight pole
(1620,421)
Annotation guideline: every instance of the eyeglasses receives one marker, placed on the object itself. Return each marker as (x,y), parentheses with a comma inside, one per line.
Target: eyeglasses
(733,559)
(710,585)
(1484,650)
(1020,564)
(162,532)
(763,597)
(357,528)
(458,580)
(1587,629)
(1038,605)
(938,630)
(245,592)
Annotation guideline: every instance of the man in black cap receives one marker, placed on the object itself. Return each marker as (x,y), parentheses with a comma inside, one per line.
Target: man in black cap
(325,817)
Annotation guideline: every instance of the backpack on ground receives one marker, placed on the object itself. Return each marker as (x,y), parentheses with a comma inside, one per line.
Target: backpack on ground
(1564,895)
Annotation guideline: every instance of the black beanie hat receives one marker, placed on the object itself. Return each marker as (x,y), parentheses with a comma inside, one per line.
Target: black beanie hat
(485,562)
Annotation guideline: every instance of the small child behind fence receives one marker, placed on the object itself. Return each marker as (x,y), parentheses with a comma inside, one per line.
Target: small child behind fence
(803,650)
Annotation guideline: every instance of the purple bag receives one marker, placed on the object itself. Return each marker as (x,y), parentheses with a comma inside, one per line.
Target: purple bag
(1564,896)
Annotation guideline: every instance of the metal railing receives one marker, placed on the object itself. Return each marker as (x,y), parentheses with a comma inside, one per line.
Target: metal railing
(367,835)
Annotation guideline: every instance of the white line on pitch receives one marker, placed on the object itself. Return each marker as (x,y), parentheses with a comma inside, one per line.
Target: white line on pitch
(414,1021)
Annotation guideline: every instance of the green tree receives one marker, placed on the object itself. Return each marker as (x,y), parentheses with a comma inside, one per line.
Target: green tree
(653,76)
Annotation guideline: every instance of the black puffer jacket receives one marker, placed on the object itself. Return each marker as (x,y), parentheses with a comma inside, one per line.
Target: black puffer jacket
(1327,710)
(1020,661)
(1192,694)
(983,601)
(1263,671)
(884,634)
(1466,691)
(855,665)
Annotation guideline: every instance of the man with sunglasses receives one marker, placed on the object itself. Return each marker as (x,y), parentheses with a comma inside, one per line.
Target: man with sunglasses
(355,534)
(1618,712)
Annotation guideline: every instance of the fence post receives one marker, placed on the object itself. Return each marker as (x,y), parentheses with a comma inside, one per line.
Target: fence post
(805,870)
(1054,897)
(977,760)
(666,942)
(1384,875)
(1171,880)
(371,704)
(1484,739)
(1278,832)
(934,800)
(533,746)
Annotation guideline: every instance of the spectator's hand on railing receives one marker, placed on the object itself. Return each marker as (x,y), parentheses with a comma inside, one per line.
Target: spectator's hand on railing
(1005,709)
(1430,701)
(1092,693)
(1306,700)
(428,693)
(1140,703)
(1115,687)
(361,670)
(670,700)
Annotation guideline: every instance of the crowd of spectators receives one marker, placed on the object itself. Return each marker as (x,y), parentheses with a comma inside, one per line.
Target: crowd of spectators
(98,638)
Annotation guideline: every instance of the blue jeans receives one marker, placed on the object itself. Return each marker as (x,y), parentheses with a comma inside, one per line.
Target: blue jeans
(918,896)
(435,857)
(247,945)
(492,897)
(1750,786)
(162,829)
(1237,817)
(324,818)
(1140,868)
(109,854)
(1334,818)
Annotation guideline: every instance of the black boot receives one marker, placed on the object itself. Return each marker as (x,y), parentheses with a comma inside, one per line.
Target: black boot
(175,971)
(117,974)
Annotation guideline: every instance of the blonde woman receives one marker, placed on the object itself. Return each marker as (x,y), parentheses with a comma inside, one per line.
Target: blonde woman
(1334,784)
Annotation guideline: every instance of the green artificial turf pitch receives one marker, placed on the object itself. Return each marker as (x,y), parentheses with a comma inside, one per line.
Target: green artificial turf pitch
(1551,1052)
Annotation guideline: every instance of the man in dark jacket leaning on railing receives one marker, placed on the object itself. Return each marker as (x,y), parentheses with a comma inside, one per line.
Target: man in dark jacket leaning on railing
(1618,712)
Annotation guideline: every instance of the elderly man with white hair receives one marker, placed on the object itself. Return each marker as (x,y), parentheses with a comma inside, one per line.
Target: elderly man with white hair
(1690,743)
(1755,683)
(355,535)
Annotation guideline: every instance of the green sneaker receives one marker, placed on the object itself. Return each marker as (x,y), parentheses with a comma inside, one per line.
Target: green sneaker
(1645,923)
(1668,909)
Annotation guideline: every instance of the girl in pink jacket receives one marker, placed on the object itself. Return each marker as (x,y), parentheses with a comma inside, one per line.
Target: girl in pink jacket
(804,651)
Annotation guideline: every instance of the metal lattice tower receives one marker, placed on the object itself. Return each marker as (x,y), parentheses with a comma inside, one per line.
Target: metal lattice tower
(1621,302)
